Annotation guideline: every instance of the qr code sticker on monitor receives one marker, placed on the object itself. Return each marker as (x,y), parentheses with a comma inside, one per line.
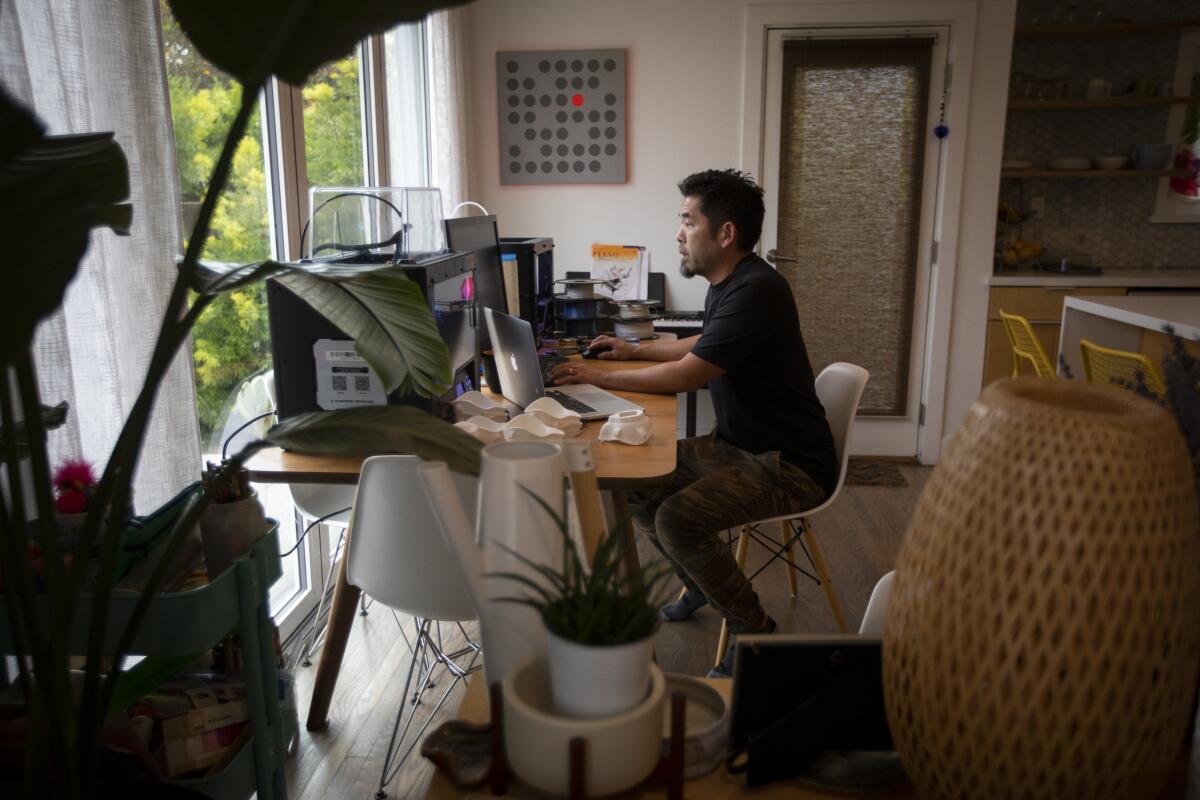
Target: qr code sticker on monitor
(339,383)
(361,383)
(562,116)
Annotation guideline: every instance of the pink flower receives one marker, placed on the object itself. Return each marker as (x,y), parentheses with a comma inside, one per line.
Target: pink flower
(74,483)
(74,473)
(1187,184)
(71,501)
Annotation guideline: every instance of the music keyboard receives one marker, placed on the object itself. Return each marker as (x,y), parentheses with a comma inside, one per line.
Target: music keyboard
(684,323)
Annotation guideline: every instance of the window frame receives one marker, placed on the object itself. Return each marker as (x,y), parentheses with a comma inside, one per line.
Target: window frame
(282,117)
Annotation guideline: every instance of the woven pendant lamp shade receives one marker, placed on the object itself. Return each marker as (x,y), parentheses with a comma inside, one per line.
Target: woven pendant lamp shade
(1043,639)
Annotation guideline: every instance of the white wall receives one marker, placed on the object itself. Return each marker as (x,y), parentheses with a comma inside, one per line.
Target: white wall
(685,65)
(684,72)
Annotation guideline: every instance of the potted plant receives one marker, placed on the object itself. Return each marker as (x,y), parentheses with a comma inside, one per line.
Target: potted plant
(600,623)
(53,191)
(234,520)
(74,487)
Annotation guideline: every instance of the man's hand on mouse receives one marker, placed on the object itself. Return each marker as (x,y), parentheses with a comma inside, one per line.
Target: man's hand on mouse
(577,372)
(610,347)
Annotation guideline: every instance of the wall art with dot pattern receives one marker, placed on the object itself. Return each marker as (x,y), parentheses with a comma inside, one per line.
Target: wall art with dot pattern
(562,116)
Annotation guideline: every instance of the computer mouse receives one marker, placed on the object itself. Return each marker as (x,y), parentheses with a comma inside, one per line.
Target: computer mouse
(588,352)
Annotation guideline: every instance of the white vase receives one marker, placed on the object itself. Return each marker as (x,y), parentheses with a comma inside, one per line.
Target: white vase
(512,475)
(598,680)
(228,529)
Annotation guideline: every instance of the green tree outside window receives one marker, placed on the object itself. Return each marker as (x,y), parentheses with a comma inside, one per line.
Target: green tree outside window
(231,340)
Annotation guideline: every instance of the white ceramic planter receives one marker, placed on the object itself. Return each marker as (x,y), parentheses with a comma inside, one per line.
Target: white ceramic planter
(228,529)
(620,751)
(512,474)
(598,680)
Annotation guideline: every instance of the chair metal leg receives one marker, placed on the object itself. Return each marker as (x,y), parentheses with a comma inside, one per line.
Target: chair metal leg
(785,539)
(739,558)
(819,562)
(428,656)
(381,792)
(312,640)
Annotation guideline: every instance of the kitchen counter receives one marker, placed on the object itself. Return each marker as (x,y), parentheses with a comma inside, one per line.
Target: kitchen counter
(1121,322)
(1114,276)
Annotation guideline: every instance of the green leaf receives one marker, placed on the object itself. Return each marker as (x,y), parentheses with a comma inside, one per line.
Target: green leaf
(52,417)
(389,320)
(53,191)
(379,430)
(231,33)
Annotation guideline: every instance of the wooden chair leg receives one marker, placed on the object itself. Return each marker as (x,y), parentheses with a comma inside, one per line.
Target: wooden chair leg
(823,574)
(785,540)
(739,558)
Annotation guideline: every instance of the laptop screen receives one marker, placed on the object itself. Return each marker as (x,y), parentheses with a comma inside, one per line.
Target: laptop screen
(516,357)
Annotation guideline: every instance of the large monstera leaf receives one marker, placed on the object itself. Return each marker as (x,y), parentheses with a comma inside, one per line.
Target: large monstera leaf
(374,304)
(53,191)
(376,431)
(236,35)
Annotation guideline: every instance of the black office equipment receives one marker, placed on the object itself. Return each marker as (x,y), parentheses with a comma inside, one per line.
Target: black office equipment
(797,697)
(534,260)
(479,235)
(316,366)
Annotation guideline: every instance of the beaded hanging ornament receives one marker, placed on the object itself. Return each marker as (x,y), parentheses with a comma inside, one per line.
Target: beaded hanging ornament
(942,130)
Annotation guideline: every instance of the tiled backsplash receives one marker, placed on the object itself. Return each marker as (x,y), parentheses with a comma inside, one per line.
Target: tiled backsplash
(1105,217)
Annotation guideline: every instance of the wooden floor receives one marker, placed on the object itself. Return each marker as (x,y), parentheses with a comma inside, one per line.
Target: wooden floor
(859,535)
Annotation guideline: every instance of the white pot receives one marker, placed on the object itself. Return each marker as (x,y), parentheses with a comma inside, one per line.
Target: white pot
(598,680)
(512,475)
(620,751)
(228,529)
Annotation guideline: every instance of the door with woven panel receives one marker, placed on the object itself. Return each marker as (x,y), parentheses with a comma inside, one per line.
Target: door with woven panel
(850,168)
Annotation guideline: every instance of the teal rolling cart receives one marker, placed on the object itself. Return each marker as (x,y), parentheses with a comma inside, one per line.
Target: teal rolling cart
(185,624)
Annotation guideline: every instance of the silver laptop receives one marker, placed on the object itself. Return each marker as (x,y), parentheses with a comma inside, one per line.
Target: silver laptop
(521,374)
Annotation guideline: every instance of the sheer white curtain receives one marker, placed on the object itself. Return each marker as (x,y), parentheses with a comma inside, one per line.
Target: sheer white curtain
(448,108)
(87,66)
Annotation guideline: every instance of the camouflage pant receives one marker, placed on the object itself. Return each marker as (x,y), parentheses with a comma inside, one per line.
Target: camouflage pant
(717,486)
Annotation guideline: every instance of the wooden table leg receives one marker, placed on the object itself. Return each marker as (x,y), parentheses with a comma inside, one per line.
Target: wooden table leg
(622,517)
(337,632)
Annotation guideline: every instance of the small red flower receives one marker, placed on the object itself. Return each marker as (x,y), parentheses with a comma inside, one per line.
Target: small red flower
(74,482)
(74,473)
(71,501)
(1187,184)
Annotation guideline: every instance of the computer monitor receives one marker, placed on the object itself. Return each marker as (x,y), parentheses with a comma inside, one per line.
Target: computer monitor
(478,235)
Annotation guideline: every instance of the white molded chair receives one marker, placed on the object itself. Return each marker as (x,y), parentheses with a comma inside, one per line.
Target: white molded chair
(875,616)
(839,388)
(398,555)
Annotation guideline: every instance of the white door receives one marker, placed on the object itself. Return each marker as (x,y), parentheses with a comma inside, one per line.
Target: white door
(864,246)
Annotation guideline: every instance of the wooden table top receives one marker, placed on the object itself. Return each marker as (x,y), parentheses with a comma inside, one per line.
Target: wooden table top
(618,466)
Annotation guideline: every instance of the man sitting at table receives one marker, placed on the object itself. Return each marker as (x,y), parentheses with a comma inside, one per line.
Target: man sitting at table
(771,452)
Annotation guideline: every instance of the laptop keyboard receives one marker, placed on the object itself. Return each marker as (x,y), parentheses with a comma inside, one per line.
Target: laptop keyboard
(569,402)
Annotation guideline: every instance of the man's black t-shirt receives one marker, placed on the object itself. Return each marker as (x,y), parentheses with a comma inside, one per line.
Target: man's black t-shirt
(766,399)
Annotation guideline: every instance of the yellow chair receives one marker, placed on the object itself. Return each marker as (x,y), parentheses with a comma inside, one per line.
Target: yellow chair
(1025,345)
(1105,365)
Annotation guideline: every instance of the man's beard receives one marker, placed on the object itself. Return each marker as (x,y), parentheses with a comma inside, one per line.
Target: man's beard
(685,270)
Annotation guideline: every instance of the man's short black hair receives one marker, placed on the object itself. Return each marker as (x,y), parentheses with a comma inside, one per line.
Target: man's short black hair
(728,195)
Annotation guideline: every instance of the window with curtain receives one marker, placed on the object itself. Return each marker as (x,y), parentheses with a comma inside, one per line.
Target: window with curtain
(331,119)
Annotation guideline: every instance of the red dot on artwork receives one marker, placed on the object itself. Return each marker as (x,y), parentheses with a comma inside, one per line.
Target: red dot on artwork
(577,100)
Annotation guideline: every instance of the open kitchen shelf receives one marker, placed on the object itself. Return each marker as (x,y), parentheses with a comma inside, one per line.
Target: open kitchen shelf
(1105,30)
(1085,104)
(1087,173)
